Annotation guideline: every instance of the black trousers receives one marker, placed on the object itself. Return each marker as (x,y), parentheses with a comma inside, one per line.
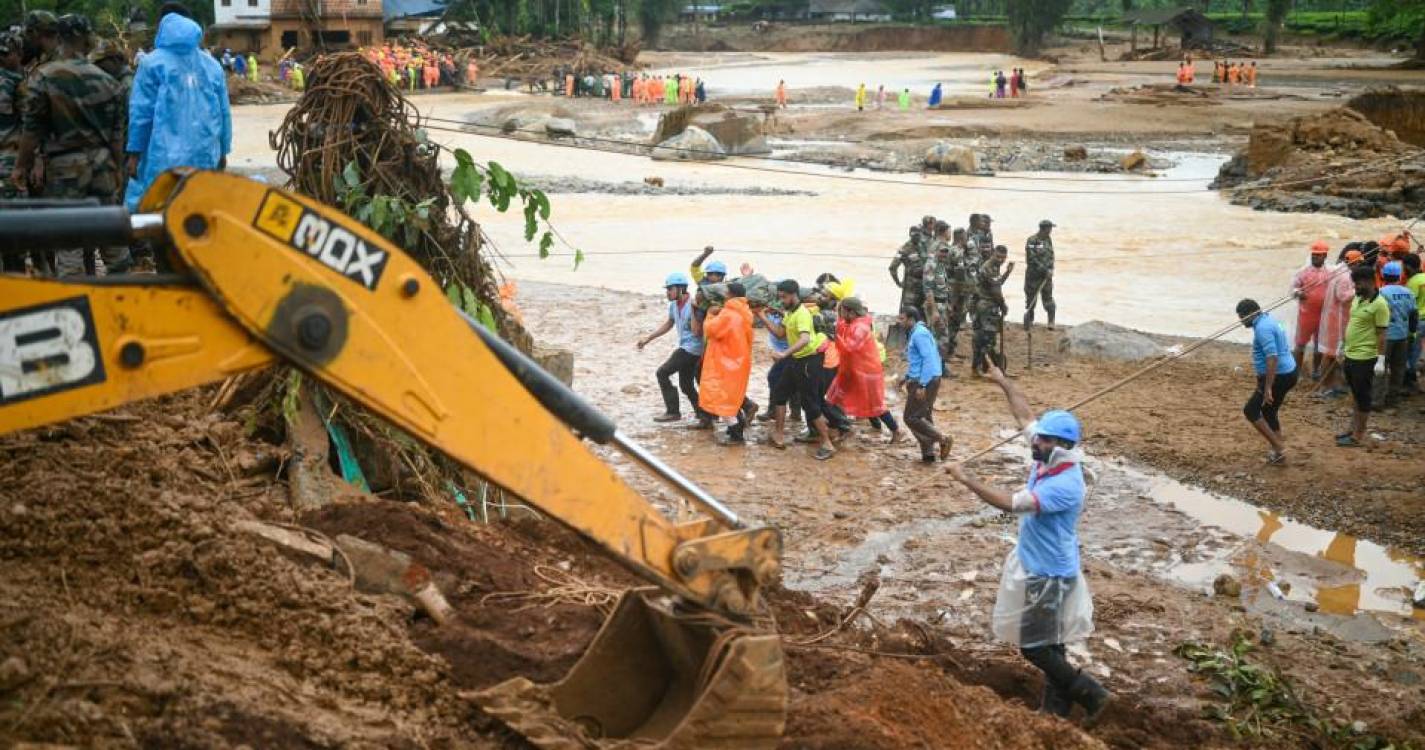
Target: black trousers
(801,380)
(919,414)
(688,368)
(1044,596)
(1360,374)
(1281,385)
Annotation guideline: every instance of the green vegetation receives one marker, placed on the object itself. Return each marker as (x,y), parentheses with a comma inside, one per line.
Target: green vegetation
(1259,703)
(1030,20)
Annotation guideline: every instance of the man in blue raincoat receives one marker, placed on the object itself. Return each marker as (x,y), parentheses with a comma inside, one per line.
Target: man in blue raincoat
(178,111)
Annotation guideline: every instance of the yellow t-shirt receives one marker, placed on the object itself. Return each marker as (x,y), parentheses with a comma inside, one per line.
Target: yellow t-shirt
(1361,331)
(797,323)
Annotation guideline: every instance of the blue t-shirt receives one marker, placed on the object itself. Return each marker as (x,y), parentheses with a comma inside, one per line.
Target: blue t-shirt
(1049,538)
(682,322)
(923,355)
(777,343)
(1401,303)
(1269,340)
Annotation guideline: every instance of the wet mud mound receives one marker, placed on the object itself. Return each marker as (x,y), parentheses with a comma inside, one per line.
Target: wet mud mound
(1337,161)
(1399,111)
(132,613)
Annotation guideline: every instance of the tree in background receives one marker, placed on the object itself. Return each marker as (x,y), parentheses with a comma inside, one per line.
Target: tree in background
(1400,19)
(1030,20)
(1276,14)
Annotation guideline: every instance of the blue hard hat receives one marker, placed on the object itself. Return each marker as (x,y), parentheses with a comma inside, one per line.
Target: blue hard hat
(1058,423)
(1392,268)
(677,278)
(716,266)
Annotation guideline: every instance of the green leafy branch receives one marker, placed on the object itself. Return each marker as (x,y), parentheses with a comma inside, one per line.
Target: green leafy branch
(1260,703)
(470,181)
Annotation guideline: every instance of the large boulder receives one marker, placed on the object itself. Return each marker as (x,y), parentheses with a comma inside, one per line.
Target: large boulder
(950,159)
(560,127)
(1101,340)
(693,144)
(738,133)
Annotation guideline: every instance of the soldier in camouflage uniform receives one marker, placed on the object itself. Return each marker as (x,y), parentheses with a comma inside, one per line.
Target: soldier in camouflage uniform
(1039,274)
(981,241)
(912,257)
(990,309)
(942,267)
(70,113)
(10,78)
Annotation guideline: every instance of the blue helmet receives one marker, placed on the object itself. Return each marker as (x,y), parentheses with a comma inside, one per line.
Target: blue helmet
(1392,269)
(716,266)
(677,278)
(1058,423)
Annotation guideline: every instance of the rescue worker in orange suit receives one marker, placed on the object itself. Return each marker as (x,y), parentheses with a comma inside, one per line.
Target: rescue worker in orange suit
(1309,287)
(727,364)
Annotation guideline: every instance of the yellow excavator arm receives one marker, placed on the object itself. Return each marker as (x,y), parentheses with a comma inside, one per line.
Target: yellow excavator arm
(270,275)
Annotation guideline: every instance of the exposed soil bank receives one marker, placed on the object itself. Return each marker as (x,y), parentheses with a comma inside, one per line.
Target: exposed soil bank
(800,37)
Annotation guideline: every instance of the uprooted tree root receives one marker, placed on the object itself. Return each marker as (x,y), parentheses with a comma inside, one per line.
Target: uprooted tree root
(354,142)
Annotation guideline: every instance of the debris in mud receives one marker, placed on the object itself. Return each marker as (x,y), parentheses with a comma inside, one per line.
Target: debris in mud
(1134,162)
(1337,162)
(1226,585)
(244,91)
(535,60)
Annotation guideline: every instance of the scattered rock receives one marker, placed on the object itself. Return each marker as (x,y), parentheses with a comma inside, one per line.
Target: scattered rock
(1076,153)
(1312,606)
(1267,637)
(1134,161)
(1107,341)
(1227,586)
(948,159)
(560,127)
(653,181)
(693,144)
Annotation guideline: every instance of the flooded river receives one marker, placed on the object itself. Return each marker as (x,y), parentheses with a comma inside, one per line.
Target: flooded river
(1159,255)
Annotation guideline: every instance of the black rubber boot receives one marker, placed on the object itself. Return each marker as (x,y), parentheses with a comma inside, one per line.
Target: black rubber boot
(1086,692)
(1054,702)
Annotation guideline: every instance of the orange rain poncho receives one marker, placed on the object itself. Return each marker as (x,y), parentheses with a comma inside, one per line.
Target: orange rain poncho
(727,361)
(860,384)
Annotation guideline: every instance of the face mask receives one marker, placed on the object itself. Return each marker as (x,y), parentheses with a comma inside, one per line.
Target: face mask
(1040,453)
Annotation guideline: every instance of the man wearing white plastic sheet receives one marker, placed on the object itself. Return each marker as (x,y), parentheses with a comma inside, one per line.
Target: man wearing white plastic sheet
(1043,600)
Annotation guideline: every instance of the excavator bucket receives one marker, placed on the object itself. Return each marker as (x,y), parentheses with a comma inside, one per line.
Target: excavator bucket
(653,678)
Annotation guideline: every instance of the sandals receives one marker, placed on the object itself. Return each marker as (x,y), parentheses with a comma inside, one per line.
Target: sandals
(1275,459)
(823,454)
(665,418)
(945,446)
(1347,441)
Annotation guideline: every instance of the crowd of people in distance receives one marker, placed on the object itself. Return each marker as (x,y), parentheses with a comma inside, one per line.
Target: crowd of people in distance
(640,88)
(1012,86)
(1224,72)
(1361,319)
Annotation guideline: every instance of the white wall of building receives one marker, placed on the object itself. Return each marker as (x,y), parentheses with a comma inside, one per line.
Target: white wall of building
(236,12)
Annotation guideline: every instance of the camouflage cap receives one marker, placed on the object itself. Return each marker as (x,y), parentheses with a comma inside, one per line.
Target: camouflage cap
(75,24)
(10,41)
(41,21)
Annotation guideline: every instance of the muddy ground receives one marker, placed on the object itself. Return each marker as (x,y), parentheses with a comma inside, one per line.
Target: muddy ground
(134,614)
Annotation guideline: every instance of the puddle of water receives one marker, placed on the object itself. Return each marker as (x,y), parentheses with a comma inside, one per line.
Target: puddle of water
(1372,578)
